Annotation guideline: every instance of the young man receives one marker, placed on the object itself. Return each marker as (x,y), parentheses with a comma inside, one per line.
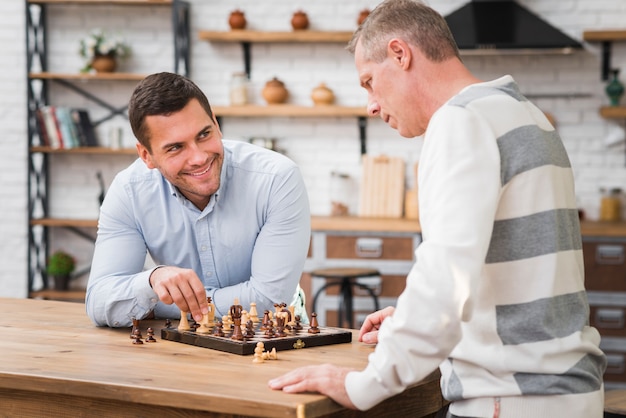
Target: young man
(496,298)
(224,219)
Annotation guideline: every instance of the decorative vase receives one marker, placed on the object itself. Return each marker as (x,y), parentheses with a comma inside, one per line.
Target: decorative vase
(275,92)
(300,20)
(62,282)
(614,89)
(362,16)
(322,95)
(104,63)
(237,20)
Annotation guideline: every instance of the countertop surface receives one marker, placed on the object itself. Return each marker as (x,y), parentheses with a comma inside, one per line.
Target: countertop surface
(402,225)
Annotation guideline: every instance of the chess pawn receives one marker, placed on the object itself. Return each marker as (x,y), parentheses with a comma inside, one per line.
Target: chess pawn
(135,326)
(211,313)
(226,323)
(314,328)
(183,325)
(204,325)
(253,314)
(137,337)
(150,338)
(258,352)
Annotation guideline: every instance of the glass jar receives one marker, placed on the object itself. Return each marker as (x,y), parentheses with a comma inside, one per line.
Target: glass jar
(610,205)
(239,89)
(340,190)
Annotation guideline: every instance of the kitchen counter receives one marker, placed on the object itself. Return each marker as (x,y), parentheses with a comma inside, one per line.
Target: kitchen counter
(361,224)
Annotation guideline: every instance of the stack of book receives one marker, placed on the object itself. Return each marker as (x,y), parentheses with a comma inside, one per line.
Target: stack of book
(64,127)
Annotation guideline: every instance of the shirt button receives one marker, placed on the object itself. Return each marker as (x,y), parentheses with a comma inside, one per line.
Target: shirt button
(203,248)
(209,274)
(153,300)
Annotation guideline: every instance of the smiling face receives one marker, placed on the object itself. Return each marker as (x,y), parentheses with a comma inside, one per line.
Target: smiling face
(186,147)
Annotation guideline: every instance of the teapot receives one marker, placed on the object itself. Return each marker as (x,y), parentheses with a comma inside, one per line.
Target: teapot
(275,91)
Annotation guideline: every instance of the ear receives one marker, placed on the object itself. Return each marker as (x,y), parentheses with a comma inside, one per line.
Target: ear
(399,52)
(144,154)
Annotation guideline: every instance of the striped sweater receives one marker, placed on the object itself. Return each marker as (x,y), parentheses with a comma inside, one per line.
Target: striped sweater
(496,297)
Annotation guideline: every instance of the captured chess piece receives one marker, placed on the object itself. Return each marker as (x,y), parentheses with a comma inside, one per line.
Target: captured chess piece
(168,323)
(137,337)
(150,338)
(314,328)
(135,326)
(258,352)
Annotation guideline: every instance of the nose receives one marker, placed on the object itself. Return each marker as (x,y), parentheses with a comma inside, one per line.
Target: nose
(373,108)
(196,155)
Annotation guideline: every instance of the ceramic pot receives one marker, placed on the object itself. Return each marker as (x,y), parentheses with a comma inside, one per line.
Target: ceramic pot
(275,92)
(62,282)
(104,63)
(237,20)
(322,95)
(300,20)
(362,16)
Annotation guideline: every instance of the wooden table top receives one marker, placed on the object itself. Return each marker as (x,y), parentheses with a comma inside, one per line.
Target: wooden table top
(51,348)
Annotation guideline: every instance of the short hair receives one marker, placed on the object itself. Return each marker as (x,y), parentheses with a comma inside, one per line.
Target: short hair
(161,94)
(411,20)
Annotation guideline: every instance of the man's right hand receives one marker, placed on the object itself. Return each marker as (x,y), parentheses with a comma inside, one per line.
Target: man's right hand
(181,287)
(369,330)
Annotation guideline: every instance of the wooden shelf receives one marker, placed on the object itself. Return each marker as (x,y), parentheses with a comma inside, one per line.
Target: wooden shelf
(86,150)
(88,76)
(252,36)
(57,222)
(613,112)
(290,110)
(604,35)
(77,295)
(105,2)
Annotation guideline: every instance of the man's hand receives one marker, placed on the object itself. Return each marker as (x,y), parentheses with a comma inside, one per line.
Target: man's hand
(182,287)
(369,330)
(325,379)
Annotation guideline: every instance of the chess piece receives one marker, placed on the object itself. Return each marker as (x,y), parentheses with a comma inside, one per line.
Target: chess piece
(314,328)
(218,330)
(266,320)
(254,315)
(237,334)
(227,322)
(258,352)
(137,337)
(204,325)
(183,325)
(135,327)
(150,338)
(298,326)
(249,333)
(168,323)
(211,319)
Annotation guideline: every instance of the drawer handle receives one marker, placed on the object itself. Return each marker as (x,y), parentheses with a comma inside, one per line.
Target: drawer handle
(369,247)
(609,318)
(614,364)
(610,254)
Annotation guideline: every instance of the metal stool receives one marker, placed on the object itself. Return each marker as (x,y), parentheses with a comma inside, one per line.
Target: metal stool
(345,278)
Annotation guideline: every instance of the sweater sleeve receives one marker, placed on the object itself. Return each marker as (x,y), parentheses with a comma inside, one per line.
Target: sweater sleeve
(459,186)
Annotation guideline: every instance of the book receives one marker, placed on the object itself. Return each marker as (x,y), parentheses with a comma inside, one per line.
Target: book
(84,128)
(67,127)
(41,129)
(51,127)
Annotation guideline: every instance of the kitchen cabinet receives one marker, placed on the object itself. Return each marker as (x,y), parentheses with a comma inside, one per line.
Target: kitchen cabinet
(248,37)
(384,244)
(39,79)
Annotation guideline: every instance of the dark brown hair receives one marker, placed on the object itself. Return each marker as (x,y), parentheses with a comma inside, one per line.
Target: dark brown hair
(410,20)
(161,94)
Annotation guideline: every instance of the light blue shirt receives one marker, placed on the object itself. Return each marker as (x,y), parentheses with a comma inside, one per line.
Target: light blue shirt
(249,243)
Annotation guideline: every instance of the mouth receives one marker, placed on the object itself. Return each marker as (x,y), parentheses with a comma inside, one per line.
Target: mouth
(201,172)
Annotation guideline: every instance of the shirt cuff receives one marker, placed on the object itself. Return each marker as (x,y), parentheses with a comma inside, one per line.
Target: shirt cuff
(364,390)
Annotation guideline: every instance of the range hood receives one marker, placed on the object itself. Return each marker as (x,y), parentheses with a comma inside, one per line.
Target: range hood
(504,25)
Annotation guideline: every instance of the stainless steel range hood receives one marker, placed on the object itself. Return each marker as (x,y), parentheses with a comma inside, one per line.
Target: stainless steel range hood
(504,26)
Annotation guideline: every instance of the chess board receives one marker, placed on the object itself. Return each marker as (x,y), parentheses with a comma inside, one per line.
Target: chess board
(293,339)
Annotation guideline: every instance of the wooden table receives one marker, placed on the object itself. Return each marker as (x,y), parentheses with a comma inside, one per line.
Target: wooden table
(55,362)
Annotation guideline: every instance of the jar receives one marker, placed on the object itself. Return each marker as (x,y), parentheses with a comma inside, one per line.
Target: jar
(275,92)
(238,89)
(610,205)
(341,189)
(300,20)
(362,16)
(237,20)
(322,95)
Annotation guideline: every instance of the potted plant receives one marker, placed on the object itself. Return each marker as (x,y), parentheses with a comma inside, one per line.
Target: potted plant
(60,266)
(101,51)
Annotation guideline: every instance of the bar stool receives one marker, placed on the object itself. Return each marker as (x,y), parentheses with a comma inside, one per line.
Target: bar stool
(345,278)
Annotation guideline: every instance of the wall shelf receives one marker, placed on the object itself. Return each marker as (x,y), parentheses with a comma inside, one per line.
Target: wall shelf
(85,150)
(63,223)
(87,76)
(613,112)
(290,110)
(606,37)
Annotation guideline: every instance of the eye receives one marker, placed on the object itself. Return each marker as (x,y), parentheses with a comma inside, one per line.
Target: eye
(173,148)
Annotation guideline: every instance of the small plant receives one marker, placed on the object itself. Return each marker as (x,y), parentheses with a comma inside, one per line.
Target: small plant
(98,43)
(60,263)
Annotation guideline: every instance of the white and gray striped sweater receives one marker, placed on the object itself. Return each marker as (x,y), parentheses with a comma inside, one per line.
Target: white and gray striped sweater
(496,297)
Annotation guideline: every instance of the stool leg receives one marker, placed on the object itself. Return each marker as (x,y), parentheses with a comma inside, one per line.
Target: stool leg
(346,296)
(319,292)
(372,294)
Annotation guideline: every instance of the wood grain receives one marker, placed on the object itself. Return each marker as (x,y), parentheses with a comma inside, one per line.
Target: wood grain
(57,363)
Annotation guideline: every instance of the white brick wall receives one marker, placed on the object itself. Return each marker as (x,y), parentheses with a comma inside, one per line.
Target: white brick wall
(317,145)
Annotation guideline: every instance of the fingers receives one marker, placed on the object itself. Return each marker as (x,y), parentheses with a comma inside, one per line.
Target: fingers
(369,330)
(181,287)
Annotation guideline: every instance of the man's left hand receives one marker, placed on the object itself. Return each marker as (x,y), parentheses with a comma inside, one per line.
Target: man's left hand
(326,379)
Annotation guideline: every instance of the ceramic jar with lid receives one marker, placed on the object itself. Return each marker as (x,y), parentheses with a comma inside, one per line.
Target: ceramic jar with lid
(300,20)
(237,20)
(322,95)
(362,16)
(238,89)
(275,91)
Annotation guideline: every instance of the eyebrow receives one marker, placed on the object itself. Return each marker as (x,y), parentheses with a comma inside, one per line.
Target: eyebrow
(206,128)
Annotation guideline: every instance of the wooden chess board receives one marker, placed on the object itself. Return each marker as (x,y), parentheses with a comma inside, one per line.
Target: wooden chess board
(293,339)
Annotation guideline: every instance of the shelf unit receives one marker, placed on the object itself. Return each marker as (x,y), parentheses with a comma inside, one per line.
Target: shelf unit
(606,37)
(248,37)
(39,78)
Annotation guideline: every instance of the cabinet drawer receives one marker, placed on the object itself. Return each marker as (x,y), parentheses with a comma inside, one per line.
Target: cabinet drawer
(369,247)
(388,286)
(615,367)
(609,320)
(605,266)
